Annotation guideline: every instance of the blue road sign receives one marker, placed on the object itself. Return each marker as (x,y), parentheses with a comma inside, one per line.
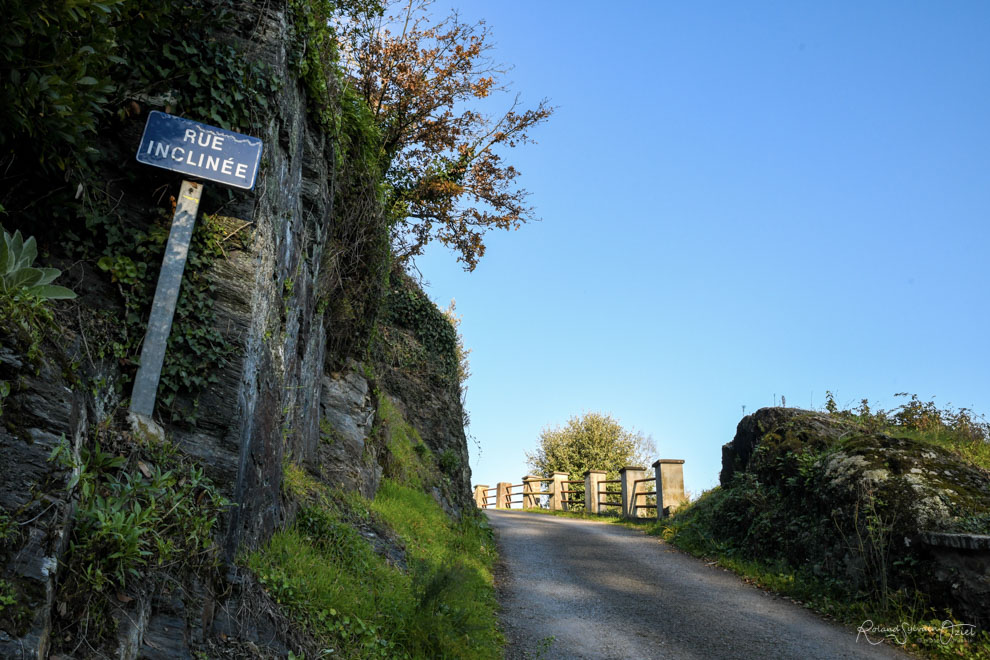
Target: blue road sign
(201,151)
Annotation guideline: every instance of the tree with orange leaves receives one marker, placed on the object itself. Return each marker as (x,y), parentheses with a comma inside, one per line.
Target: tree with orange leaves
(446,179)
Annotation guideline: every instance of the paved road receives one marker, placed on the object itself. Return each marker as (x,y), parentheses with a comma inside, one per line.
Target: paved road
(603,591)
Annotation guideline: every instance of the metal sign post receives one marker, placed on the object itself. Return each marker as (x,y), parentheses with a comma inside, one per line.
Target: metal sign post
(166,296)
(206,152)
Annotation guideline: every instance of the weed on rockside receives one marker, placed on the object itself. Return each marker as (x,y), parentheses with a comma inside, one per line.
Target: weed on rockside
(145,520)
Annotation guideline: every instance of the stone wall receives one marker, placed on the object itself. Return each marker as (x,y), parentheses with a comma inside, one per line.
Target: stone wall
(961,574)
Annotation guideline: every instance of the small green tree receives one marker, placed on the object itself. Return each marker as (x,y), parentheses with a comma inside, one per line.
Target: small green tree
(592,441)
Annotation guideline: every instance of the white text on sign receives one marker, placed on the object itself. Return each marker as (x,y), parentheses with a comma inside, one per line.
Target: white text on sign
(196,155)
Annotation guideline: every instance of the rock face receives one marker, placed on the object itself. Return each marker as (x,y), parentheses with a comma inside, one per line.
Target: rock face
(872,508)
(815,430)
(40,411)
(282,397)
(962,572)
(438,416)
(346,457)
(418,371)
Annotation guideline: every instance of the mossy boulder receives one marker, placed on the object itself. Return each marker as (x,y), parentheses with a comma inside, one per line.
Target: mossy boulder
(848,502)
(920,487)
(782,428)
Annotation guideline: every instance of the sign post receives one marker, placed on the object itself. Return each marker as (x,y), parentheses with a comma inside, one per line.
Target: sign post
(204,152)
(166,297)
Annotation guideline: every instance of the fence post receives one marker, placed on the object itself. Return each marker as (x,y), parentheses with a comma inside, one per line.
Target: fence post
(556,494)
(480,491)
(531,486)
(670,485)
(628,475)
(502,500)
(591,481)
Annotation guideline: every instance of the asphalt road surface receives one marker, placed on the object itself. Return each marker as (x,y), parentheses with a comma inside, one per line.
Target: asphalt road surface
(574,588)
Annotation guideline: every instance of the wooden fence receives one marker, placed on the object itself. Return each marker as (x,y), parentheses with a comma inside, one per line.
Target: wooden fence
(556,492)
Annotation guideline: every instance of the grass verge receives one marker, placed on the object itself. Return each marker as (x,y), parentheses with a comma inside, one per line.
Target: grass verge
(341,573)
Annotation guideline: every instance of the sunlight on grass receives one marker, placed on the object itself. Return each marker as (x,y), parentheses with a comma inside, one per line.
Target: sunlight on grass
(331,580)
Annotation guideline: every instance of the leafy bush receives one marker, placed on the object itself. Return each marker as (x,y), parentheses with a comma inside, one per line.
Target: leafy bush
(7,595)
(66,63)
(24,294)
(591,441)
(449,462)
(960,430)
(56,58)
(420,338)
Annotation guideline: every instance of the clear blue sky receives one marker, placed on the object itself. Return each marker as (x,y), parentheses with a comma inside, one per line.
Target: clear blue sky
(738,200)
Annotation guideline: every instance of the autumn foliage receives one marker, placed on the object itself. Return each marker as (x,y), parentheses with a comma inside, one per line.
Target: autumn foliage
(446,177)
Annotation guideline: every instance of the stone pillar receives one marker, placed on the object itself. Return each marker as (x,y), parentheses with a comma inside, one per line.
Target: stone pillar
(592,479)
(480,492)
(502,492)
(531,485)
(628,475)
(670,485)
(556,491)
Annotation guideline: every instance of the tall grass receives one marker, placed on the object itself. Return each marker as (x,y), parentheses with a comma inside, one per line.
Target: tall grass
(958,430)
